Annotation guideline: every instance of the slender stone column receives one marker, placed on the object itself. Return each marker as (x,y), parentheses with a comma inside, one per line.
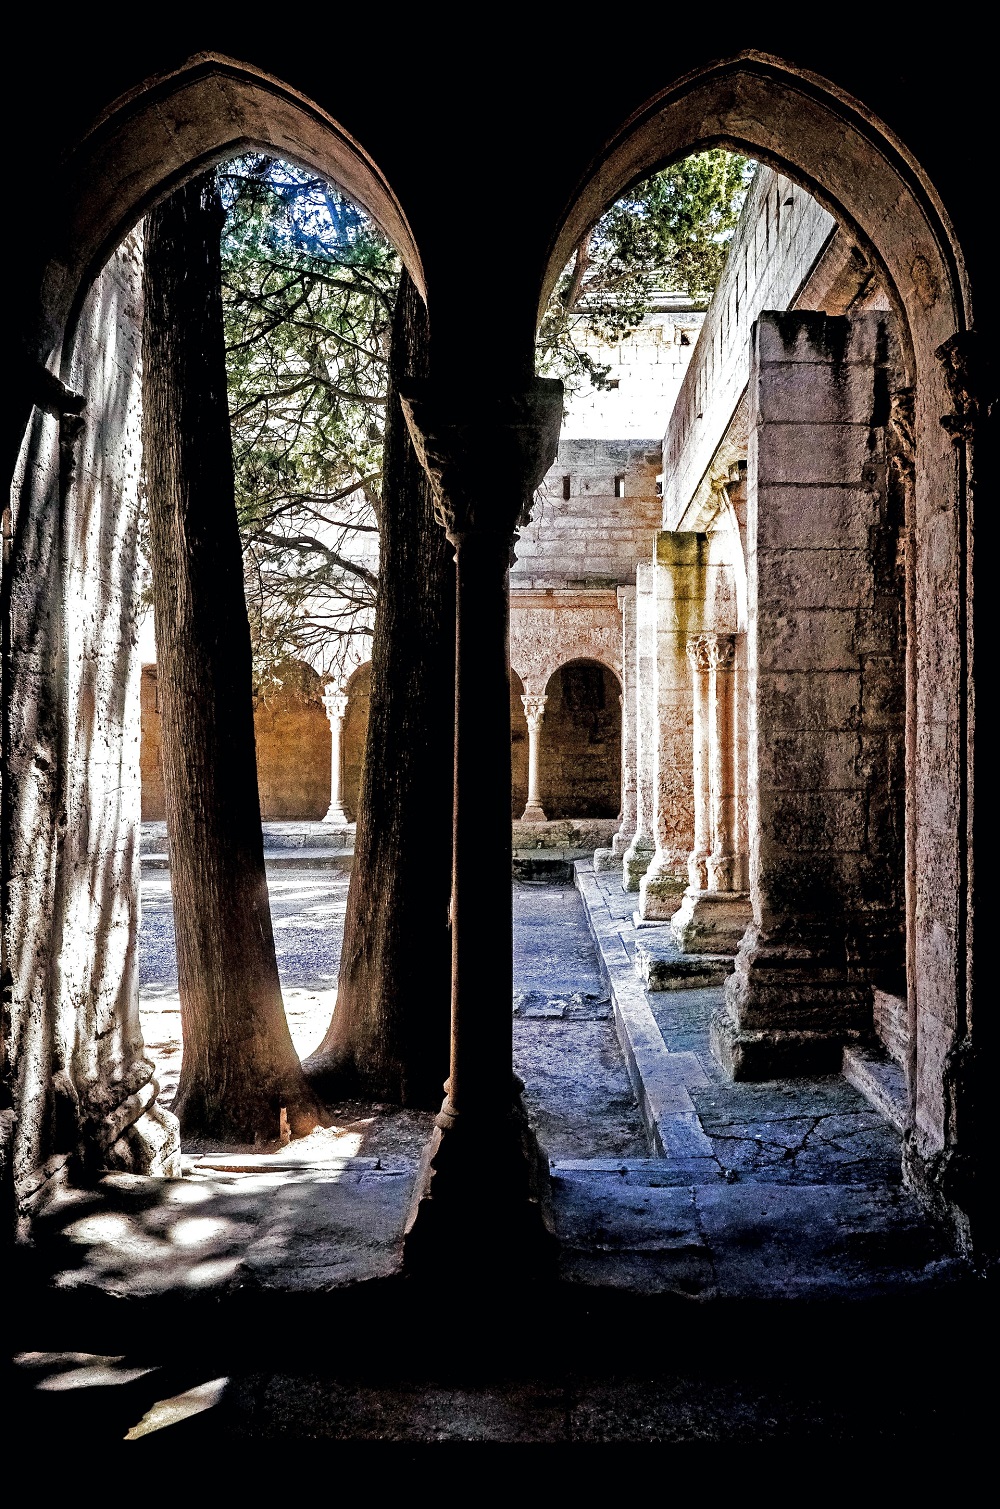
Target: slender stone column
(681,569)
(697,651)
(641,846)
(611,858)
(335,703)
(713,914)
(482,1182)
(722,756)
(534,712)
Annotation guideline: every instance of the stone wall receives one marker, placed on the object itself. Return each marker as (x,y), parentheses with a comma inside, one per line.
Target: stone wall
(293,750)
(71,802)
(781,234)
(595,516)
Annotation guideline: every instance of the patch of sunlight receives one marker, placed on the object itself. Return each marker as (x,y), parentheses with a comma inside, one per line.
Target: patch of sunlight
(194,1401)
(98,1374)
(196,1230)
(214,1271)
(105,1226)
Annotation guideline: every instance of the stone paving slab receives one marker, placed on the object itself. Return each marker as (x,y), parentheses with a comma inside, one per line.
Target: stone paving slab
(292,1229)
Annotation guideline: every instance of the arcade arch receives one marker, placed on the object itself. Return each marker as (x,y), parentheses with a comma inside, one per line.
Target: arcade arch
(811,130)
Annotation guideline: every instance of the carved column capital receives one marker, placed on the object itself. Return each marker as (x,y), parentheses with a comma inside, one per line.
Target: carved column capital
(485,454)
(721,651)
(335,701)
(697,652)
(970,373)
(534,707)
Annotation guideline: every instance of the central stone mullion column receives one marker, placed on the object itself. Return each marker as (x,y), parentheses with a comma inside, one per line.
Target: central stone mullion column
(482,1183)
(534,712)
(479,1084)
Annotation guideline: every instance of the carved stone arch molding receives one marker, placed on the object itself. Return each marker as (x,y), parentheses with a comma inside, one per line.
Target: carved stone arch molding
(814,132)
(174,126)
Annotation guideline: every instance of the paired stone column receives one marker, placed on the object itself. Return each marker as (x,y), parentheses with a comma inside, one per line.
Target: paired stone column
(826,699)
(534,712)
(715,910)
(680,577)
(611,858)
(641,845)
(335,703)
(479,1193)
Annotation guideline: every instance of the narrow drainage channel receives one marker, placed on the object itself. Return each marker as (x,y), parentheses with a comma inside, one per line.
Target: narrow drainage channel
(577,1090)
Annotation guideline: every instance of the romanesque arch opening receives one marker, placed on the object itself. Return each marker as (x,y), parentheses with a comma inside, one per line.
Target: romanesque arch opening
(830,722)
(794,735)
(580,750)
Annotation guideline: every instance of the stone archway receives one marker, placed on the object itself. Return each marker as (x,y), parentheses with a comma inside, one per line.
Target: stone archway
(812,131)
(581,742)
(76,433)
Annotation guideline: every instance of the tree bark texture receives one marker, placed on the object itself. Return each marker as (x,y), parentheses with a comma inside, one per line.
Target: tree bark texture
(240,1070)
(389,1036)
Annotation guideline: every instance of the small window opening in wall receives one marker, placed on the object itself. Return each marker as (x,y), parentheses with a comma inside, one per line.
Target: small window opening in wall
(619,487)
(683,339)
(659,486)
(615,381)
(566,487)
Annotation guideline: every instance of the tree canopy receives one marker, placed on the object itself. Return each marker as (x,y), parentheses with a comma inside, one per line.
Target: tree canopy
(671,232)
(309,285)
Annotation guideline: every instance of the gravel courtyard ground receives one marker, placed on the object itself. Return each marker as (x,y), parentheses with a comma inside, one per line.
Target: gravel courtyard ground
(576,1087)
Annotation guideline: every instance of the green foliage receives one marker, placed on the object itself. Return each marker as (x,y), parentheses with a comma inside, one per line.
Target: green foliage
(308,292)
(671,233)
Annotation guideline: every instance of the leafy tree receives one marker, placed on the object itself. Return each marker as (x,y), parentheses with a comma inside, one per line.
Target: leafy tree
(309,288)
(670,232)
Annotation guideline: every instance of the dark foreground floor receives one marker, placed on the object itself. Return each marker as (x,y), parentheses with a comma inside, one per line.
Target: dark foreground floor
(410,1366)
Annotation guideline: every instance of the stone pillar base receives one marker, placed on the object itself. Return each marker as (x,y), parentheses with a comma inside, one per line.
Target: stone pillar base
(790,1009)
(533,814)
(635,862)
(620,844)
(481,1200)
(337,817)
(660,894)
(775,1055)
(606,859)
(711,922)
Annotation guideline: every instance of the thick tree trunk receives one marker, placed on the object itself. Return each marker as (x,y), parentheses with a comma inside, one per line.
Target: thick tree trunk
(240,1070)
(389,1037)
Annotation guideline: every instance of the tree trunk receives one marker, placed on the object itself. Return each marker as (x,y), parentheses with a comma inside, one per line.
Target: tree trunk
(240,1070)
(389,1037)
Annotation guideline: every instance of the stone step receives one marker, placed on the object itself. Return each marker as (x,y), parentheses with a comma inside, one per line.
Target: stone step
(303,859)
(880,1080)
